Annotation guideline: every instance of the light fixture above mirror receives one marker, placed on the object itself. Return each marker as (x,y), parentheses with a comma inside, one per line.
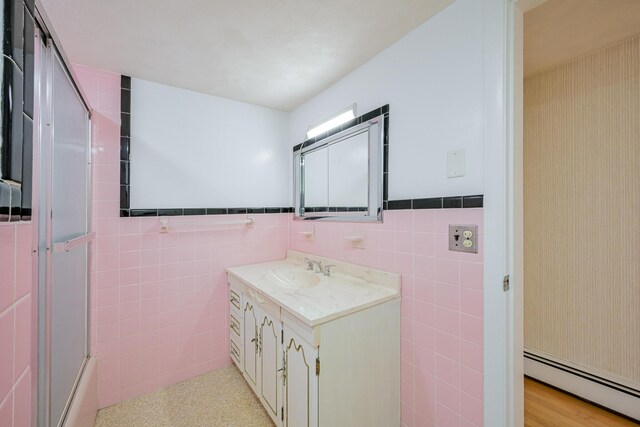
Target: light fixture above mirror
(333,121)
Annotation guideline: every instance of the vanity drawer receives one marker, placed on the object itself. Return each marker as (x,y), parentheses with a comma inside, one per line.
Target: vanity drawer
(236,327)
(235,299)
(236,354)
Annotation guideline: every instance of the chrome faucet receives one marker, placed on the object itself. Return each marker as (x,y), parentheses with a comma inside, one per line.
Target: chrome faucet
(326,271)
(310,263)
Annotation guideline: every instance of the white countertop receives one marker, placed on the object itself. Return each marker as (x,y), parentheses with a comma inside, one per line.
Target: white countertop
(350,288)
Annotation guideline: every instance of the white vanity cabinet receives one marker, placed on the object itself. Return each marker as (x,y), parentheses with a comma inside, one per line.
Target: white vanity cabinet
(261,358)
(342,372)
(301,384)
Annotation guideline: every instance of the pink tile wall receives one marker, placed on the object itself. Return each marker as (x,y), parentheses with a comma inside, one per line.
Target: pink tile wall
(442,306)
(158,301)
(15,324)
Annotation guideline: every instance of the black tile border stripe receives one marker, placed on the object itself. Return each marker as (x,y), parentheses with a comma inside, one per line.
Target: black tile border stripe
(202,211)
(449,202)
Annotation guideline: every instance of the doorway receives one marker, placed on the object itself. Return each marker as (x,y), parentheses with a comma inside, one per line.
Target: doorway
(581,191)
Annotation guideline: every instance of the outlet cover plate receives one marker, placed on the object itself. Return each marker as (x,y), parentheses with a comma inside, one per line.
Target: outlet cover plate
(463,238)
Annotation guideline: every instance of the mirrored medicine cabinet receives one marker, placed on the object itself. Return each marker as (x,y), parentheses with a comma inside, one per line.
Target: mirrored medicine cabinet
(342,174)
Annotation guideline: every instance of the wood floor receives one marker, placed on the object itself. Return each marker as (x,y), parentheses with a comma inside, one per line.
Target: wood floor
(547,407)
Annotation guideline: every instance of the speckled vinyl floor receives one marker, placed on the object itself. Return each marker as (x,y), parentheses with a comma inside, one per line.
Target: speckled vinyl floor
(218,399)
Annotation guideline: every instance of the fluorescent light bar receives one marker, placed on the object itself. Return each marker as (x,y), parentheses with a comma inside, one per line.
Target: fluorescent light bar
(336,120)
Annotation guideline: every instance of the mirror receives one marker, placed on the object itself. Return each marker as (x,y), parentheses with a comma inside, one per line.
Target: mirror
(340,176)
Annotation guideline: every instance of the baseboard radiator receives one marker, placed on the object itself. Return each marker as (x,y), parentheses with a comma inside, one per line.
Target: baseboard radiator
(597,389)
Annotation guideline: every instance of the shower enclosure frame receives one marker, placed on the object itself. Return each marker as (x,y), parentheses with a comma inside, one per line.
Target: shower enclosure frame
(46,51)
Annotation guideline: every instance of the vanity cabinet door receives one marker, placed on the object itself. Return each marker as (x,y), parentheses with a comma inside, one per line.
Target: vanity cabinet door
(301,383)
(271,373)
(251,342)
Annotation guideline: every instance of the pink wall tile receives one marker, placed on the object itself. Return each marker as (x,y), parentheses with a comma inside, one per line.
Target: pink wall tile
(447,295)
(6,411)
(472,409)
(22,401)
(23,329)
(16,329)
(446,416)
(24,258)
(6,351)
(448,395)
(7,265)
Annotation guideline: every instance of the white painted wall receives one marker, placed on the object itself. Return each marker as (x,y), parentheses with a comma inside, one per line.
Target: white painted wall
(194,150)
(433,81)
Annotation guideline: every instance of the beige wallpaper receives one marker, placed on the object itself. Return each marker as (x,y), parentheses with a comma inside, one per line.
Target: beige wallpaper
(582,212)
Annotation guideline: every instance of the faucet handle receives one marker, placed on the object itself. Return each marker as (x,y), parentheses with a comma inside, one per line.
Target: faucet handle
(309,264)
(327,270)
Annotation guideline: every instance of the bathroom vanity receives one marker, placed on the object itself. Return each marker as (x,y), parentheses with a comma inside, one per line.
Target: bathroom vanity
(319,346)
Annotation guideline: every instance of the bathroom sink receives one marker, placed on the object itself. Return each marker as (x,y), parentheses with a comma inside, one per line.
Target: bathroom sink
(293,278)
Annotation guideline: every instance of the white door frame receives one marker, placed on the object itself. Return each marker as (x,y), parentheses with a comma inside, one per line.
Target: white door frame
(503,361)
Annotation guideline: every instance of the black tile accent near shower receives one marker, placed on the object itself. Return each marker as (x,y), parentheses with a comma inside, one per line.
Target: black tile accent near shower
(28,70)
(5,201)
(13,31)
(16,201)
(27,166)
(16,109)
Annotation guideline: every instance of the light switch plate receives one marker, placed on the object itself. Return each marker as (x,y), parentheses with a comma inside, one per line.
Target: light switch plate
(455,163)
(463,238)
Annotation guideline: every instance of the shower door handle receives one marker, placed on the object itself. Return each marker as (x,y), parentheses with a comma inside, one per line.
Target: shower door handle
(67,245)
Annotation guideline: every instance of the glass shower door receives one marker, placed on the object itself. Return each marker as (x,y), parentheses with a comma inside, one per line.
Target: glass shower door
(69,208)
(64,230)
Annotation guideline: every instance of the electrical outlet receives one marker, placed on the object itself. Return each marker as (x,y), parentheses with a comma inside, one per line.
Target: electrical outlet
(463,238)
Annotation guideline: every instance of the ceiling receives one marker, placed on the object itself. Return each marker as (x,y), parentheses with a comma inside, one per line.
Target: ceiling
(559,30)
(274,53)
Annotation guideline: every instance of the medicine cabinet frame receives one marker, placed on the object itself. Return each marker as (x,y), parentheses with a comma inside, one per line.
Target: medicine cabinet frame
(376,124)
